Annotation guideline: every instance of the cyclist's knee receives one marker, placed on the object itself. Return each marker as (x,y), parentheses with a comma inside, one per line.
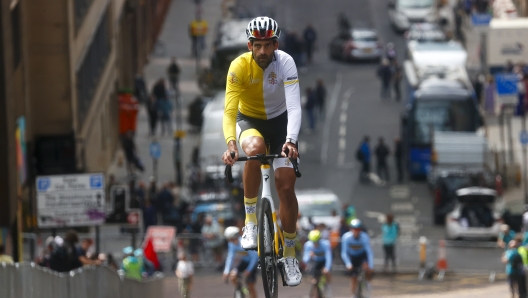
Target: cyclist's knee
(253,146)
(284,186)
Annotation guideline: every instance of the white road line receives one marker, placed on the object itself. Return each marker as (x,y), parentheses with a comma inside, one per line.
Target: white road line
(329,115)
(344,105)
(399,192)
(342,144)
(402,207)
(341,158)
(342,130)
(343,118)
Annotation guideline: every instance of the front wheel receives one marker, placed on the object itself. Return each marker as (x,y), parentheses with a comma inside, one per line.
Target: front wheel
(267,254)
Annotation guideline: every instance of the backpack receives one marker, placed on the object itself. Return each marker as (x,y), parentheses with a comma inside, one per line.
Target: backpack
(517,265)
(60,259)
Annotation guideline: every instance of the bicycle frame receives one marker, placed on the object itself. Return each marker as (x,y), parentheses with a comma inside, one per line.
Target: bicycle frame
(266,195)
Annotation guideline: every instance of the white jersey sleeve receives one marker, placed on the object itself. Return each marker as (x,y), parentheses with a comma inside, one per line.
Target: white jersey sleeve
(292,94)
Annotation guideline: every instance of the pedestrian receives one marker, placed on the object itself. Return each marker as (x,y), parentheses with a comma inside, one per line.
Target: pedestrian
(150,217)
(213,239)
(195,243)
(515,269)
(82,253)
(140,88)
(390,232)
(397,75)
(173,73)
(185,273)
(385,74)
(44,260)
(152,110)
(505,236)
(311,101)
(310,37)
(363,155)
(132,266)
(382,152)
(489,96)
(197,31)
(398,158)
(129,147)
(165,203)
(320,91)
(4,258)
(165,111)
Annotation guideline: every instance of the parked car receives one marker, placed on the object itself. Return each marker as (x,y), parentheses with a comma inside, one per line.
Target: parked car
(356,44)
(319,206)
(477,214)
(404,13)
(423,32)
(449,181)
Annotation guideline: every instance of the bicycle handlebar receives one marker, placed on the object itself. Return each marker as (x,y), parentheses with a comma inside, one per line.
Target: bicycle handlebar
(261,158)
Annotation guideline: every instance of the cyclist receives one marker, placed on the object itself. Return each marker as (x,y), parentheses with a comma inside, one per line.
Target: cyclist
(263,107)
(357,253)
(318,252)
(246,260)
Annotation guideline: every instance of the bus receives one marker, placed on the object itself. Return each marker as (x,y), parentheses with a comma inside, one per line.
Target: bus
(442,99)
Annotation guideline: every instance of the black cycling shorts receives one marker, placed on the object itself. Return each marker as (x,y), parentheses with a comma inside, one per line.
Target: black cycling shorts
(357,262)
(252,276)
(317,268)
(273,131)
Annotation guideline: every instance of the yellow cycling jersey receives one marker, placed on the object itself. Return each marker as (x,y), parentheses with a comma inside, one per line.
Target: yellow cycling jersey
(262,93)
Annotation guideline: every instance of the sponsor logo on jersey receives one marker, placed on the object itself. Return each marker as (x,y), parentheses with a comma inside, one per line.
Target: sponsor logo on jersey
(272,78)
(287,161)
(254,81)
(232,77)
(291,78)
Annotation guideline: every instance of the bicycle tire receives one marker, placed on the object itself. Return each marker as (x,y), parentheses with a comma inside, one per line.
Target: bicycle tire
(239,293)
(268,261)
(316,291)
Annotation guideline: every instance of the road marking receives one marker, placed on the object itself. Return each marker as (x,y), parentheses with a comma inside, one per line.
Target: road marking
(329,115)
(342,144)
(303,146)
(340,158)
(343,118)
(374,214)
(402,207)
(399,192)
(342,130)
(344,105)
(405,219)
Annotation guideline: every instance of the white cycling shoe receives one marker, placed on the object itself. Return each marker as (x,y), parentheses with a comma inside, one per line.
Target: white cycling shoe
(292,274)
(249,236)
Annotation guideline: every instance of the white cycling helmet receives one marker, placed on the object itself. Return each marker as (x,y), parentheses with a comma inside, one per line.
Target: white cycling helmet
(231,232)
(262,28)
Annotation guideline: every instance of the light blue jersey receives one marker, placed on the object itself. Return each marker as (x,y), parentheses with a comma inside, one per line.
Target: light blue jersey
(351,246)
(323,252)
(236,254)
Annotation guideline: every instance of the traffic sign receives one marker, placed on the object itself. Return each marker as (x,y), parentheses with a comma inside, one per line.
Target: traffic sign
(71,200)
(155,150)
(162,237)
(481,19)
(524,137)
(506,86)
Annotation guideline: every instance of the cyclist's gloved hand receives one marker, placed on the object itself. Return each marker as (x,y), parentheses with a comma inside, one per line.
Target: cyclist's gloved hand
(349,267)
(289,150)
(224,277)
(227,158)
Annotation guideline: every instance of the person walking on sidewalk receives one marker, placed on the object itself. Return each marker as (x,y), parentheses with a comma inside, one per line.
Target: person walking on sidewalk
(385,74)
(165,110)
(489,96)
(173,73)
(515,269)
(197,30)
(398,158)
(185,274)
(390,232)
(397,75)
(311,101)
(152,110)
(320,91)
(363,155)
(310,36)
(382,151)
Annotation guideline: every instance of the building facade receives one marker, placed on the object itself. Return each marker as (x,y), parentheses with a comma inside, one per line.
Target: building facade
(61,65)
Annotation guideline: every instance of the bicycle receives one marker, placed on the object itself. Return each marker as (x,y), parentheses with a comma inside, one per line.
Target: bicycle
(241,291)
(270,240)
(362,286)
(318,288)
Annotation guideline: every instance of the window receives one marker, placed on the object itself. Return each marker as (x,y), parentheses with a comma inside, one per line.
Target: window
(81,8)
(89,73)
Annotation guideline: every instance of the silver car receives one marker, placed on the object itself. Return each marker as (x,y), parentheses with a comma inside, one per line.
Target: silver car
(404,13)
(357,44)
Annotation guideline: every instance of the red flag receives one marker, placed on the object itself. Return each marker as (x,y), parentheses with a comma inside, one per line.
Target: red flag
(150,254)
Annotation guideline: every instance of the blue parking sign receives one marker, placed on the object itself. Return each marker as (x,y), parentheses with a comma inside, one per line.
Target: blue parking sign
(155,150)
(506,84)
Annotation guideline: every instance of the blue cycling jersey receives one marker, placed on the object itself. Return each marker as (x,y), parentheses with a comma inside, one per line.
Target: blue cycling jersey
(236,254)
(350,246)
(323,252)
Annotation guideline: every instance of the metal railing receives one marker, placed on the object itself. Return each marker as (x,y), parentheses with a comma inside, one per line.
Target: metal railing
(27,280)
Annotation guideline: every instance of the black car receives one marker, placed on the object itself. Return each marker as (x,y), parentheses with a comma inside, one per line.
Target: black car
(448,182)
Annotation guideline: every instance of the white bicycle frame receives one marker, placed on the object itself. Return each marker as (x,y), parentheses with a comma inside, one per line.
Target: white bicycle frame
(266,194)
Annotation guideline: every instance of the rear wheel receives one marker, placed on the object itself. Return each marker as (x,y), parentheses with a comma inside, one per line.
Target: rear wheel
(267,256)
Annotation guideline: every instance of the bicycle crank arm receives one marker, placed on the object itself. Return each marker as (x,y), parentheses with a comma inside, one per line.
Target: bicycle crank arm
(281,270)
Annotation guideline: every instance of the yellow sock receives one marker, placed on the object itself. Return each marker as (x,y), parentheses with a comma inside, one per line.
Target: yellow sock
(250,205)
(289,244)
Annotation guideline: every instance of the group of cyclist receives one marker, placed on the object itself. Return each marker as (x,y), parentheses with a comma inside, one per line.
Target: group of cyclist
(356,254)
(263,114)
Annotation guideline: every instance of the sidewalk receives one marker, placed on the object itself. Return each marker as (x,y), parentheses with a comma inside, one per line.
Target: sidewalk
(493,290)
(173,41)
